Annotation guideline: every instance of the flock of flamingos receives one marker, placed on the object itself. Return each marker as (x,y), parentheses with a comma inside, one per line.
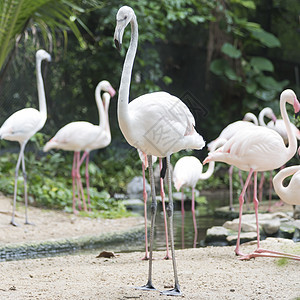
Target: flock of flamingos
(243,144)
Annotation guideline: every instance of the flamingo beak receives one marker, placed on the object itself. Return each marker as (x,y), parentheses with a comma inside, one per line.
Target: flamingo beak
(112,92)
(206,160)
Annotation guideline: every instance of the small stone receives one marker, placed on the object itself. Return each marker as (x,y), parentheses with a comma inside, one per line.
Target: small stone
(271,227)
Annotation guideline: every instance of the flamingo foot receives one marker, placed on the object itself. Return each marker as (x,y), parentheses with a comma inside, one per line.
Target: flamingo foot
(173,292)
(146,257)
(167,257)
(29,223)
(231,208)
(268,253)
(147,287)
(13,223)
(238,252)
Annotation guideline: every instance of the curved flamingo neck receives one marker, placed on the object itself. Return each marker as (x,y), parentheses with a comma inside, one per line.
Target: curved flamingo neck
(41,89)
(209,171)
(101,112)
(261,118)
(281,190)
(292,140)
(106,107)
(123,114)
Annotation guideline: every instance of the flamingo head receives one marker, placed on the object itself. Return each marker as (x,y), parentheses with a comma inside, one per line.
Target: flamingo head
(124,16)
(43,55)
(291,98)
(106,87)
(270,114)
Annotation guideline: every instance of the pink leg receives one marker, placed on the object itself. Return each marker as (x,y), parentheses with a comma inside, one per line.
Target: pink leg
(263,252)
(74,185)
(194,217)
(230,188)
(241,201)
(248,195)
(162,194)
(182,218)
(145,196)
(86,157)
(261,186)
(79,183)
(270,190)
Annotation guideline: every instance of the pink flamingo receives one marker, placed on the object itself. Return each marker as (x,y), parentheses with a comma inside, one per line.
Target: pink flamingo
(277,125)
(84,136)
(23,124)
(156,123)
(256,150)
(188,171)
(143,158)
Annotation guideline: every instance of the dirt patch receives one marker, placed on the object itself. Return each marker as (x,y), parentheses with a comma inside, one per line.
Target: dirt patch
(204,273)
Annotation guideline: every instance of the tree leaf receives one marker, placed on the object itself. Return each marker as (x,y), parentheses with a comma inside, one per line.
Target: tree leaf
(266,38)
(230,50)
(262,64)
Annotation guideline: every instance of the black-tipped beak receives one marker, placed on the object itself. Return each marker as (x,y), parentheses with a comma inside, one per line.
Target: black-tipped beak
(118,45)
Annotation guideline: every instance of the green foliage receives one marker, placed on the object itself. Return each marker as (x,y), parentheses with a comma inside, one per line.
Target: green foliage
(46,15)
(50,183)
(241,63)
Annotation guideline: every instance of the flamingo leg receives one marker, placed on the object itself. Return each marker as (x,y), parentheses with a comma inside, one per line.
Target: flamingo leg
(247,195)
(230,189)
(86,157)
(270,190)
(182,218)
(162,194)
(145,196)
(264,252)
(241,201)
(194,217)
(25,191)
(261,186)
(176,290)
(149,285)
(79,183)
(22,147)
(74,185)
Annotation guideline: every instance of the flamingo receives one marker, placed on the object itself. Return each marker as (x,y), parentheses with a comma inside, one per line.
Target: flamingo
(156,123)
(84,136)
(22,125)
(188,171)
(277,125)
(255,150)
(290,193)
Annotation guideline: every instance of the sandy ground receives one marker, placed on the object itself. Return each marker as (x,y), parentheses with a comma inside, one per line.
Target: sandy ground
(51,224)
(204,273)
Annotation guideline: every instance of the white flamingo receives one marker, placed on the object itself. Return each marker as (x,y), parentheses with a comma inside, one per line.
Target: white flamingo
(278,126)
(288,193)
(248,120)
(188,171)
(157,123)
(84,136)
(255,150)
(23,124)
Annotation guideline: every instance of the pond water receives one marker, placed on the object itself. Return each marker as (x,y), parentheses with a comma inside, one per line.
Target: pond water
(184,234)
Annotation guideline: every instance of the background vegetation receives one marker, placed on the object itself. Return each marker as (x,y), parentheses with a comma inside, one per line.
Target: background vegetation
(222,57)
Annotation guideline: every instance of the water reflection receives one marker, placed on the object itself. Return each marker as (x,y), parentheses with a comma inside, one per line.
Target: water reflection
(184,233)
